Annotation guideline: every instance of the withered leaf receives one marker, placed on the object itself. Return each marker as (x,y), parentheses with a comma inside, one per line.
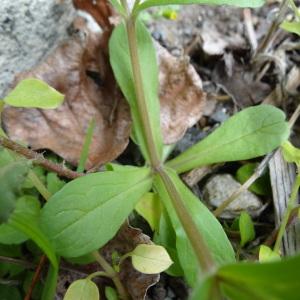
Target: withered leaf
(80,70)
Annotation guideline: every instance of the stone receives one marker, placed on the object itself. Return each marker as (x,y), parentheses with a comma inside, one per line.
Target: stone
(220,187)
(29,30)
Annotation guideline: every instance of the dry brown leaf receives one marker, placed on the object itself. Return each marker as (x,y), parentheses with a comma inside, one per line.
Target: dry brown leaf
(181,96)
(80,70)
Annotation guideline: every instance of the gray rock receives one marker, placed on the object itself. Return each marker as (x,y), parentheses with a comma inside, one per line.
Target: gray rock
(29,30)
(220,187)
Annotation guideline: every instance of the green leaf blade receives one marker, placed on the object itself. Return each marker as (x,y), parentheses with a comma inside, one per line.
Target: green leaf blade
(34,93)
(87,212)
(121,64)
(211,230)
(246,227)
(253,132)
(82,289)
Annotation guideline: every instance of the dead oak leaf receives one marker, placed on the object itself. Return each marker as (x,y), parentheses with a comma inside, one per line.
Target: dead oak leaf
(79,69)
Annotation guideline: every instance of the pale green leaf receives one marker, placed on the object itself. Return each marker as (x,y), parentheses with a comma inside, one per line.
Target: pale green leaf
(111,293)
(34,93)
(243,3)
(262,281)
(267,254)
(246,227)
(150,259)
(207,224)
(149,208)
(121,64)
(30,207)
(293,27)
(82,289)
(290,153)
(87,212)
(253,132)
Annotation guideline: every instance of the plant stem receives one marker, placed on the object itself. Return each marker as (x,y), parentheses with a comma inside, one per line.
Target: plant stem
(108,269)
(200,248)
(96,274)
(140,94)
(39,159)
(290,206)
(39,185)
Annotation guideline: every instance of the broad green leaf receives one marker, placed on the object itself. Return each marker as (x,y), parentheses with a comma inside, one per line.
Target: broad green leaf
(25,221)
(206,290)
(243,3)
(150,259)
(261,186)
(253,132)
(82,289)
(293,27)
(121,64)
(262,281)
(149,208)
(12,176)
(267,254)
(111,293)
(30,207)
(246,227)
(87,212)
(208,226)
(34,93)
(290,153)
(49,290)
(9,293)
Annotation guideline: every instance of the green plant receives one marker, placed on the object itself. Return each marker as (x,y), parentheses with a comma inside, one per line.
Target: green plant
(87,212)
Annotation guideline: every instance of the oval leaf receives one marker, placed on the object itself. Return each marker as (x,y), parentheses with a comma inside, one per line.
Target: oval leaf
(267,254)
(150,259)
(34,93)
(246,228)
(253,132)
(82,289)
(87,212)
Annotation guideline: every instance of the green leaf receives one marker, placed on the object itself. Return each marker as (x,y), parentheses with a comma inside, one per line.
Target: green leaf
(246,228)
(30,207)
(267,254)
(207,224)
(149,208)
(12,176)
(119,8)
(243,3)
(111,293)
(205,289)
(82,289)
(9,293)
(253,132)
(26,223)
(262,281)
(290,153)
(54,184)
(87,212)
(293,27)
(150,259)
(261,186)
(34,93)
(121,64)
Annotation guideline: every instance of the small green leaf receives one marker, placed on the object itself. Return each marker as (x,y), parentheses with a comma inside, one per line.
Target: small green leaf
(12,176)
(253,132)
(263,281)
(121,64)
(246,227)
(87,212)
(243,3)
(149,208)
(207,224)
(150,259)
(261,186)
(82,289)
(290,153)
(30,207)
(34,93)
(110,293)
(293,27)
(267,254)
